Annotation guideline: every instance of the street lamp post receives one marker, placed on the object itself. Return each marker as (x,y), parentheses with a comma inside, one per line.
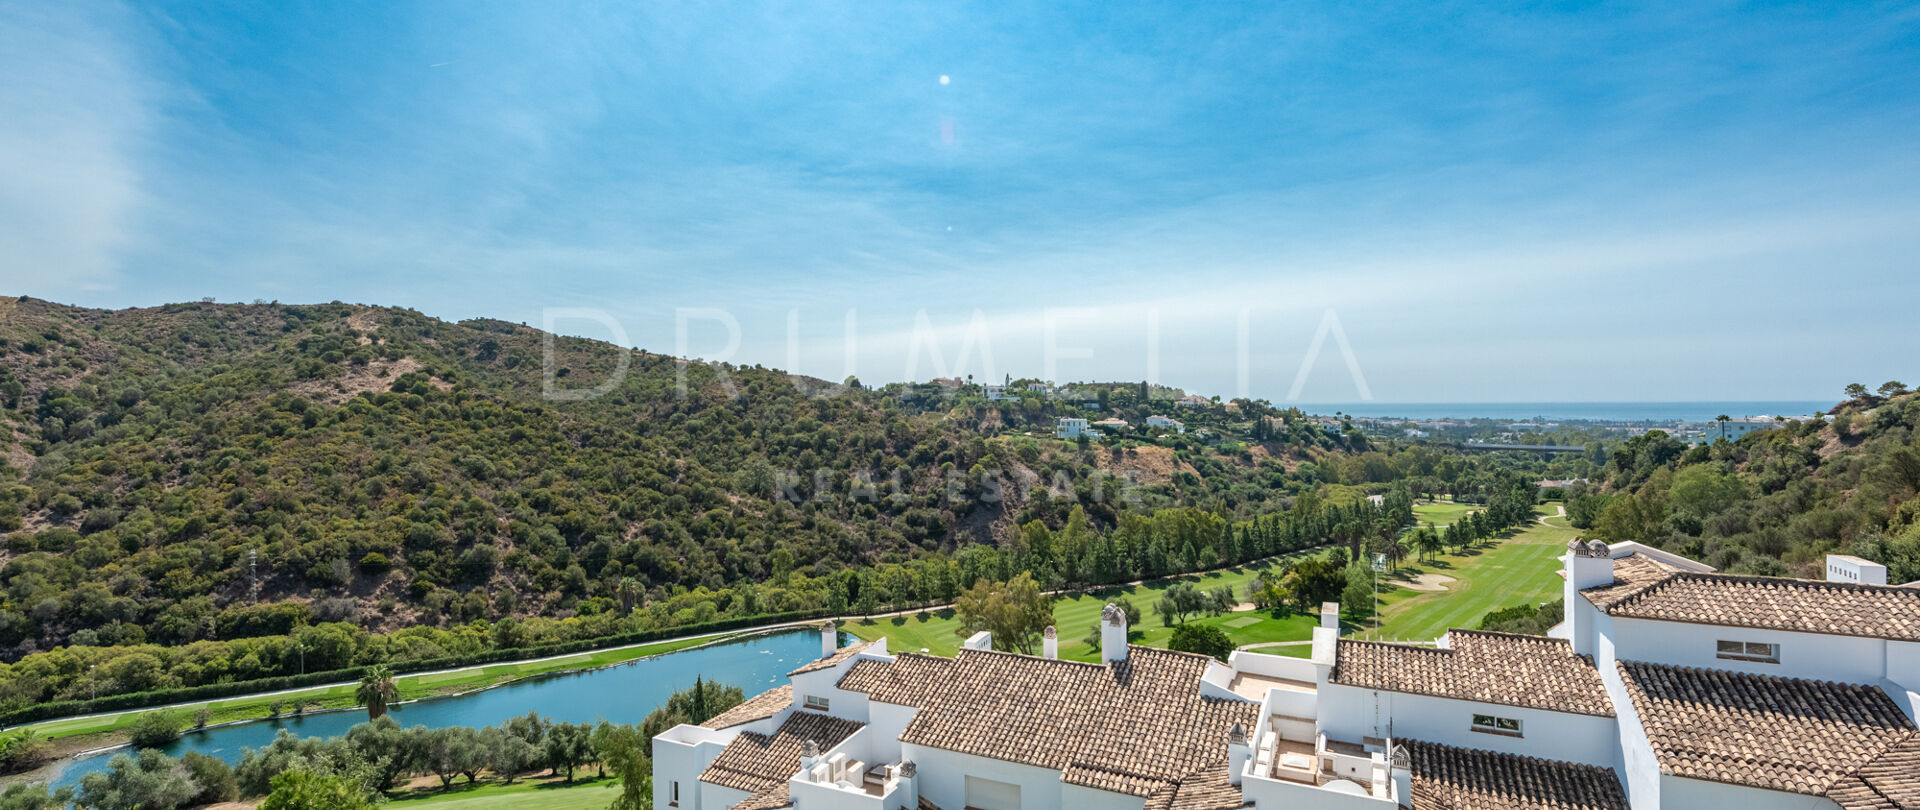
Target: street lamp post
(303,657)
(92,683)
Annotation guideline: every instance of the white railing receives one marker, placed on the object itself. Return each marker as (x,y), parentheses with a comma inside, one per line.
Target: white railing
(1272,666)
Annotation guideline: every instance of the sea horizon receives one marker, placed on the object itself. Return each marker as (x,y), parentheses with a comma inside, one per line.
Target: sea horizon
(1624,411)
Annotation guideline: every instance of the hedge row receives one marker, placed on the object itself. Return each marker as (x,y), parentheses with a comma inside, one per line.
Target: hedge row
(214,691)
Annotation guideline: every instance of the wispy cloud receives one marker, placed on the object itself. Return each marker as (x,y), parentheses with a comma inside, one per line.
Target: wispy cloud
(77,112)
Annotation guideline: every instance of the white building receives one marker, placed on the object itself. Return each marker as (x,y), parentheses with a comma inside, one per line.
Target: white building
(1072,427)
(1732,430)
(1165,422)
(1666,686)
(1193,401)
(1111,424)
(996,393)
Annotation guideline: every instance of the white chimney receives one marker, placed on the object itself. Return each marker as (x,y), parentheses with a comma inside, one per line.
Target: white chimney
(1113,633)
(1330,615)
(908,774)
(1050,642)
(809,756)
(1238,752)
(829,639)
(1588,565)
(1847,568)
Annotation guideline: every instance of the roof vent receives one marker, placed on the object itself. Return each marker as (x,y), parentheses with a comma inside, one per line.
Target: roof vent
(1576,548)
(1237,735)
(1112,614)
(810,748)
(908,769)
(1598,549)
(1050,632)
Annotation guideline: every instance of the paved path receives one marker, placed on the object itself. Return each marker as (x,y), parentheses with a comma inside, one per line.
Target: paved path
(1558,507)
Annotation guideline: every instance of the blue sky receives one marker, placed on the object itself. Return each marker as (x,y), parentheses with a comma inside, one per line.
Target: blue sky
(1493,203)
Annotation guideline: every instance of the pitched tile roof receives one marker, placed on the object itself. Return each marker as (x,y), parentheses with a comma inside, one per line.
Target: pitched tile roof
(769,799)
(838,656)
(1765,731)
(1631,574)
(1449,778)
(756,762)
(1205,789)
(1809,606)
(1890,782)
(904,681)
(1512,670)
(1138,726)
(759,707)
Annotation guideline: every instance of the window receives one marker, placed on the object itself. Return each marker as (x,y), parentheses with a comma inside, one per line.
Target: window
(1503,726)
(675,801)
(1756,651)
(817,702)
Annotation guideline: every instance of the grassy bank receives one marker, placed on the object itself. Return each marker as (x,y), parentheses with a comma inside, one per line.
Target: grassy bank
(84,732)
(531,794)
(1075,615)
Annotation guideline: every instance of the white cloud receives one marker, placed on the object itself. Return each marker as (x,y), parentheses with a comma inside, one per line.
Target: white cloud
(75,114)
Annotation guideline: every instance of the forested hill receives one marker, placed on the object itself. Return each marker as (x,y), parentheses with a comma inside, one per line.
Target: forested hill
(1774,502)
(169,467)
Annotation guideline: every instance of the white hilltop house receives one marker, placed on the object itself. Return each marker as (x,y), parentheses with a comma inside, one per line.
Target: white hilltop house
(1166,422)
(1667,685)
(1073,427)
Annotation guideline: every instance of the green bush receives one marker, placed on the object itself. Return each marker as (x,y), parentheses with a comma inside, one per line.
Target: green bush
(1204,639)
(154,729)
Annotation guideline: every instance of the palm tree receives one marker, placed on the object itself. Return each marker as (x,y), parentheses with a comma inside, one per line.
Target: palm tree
(377,690)
(629,593)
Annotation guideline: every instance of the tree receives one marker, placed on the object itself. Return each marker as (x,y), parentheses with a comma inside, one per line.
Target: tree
(455,751)
(376,690)
(1892,388)
(1204,639)
(622,749)
(143,781)
(154,729)
(1179,601)
(34,796)
(569,745)
(1015,612)
(301,789)
(509,755)
(213,777)
(629,593)
(1358,595)
(1856,391)
(1427,541)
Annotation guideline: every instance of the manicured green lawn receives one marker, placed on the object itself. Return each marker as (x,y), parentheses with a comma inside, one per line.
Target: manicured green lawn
(1442,513)
(1076,615)
(411,687)
(530,794)
(1521,569)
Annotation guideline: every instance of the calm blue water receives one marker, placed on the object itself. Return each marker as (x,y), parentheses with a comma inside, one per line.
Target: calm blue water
(1596,411)
(622,694)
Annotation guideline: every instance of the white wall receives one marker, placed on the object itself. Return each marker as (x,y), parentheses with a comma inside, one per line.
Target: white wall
(1276,794)
(1680,792)
(680,754)
(885,722)
(1847,659)
(1347,713)
(943,782)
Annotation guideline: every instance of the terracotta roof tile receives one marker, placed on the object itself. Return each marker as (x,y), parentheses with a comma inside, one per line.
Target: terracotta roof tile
(1511,670)
(1205,789)
(1891,781)
(1138,726)
(769,799)
(757,762)
(1449,778)
(904,681)
(1788,734)
(1804,605)
(759,707)
(1631,574)
(838,656)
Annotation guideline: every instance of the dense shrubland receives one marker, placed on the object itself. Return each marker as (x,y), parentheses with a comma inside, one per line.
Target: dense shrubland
(1774,502)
